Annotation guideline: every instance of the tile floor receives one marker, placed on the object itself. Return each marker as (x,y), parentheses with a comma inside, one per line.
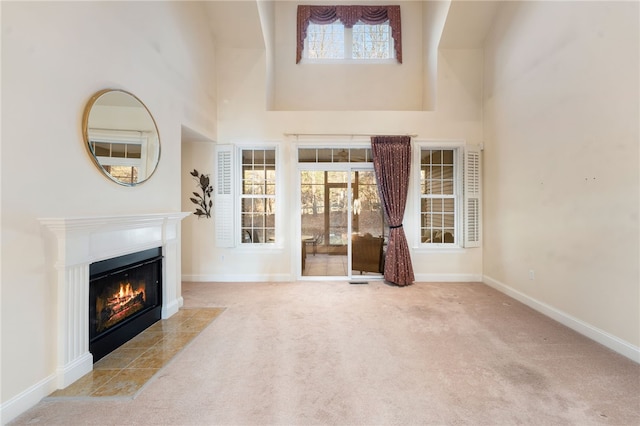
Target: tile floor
(126,370)
(325,265)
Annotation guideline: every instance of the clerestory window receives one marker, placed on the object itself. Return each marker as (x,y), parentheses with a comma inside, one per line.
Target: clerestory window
(349,33)
(362,41)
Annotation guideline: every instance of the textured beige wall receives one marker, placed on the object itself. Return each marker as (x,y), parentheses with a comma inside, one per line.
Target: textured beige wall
(561,159)
(348,87)
(55,56)
(243,118)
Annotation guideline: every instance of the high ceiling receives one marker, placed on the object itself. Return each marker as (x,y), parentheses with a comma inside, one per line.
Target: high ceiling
(237,23)
(468,23)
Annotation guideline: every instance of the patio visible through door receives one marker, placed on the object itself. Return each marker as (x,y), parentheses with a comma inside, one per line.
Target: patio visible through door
(342,228)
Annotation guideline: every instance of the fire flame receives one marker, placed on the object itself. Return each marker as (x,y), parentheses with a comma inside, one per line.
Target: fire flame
(125,290)
(125,294)
(124,301)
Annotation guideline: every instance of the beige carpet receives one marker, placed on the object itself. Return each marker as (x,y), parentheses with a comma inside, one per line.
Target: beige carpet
(317,353)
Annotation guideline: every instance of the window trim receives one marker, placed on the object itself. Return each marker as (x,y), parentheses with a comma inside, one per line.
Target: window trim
(238,195)
(348,50)
(120,137)
(349,15)
(459,148)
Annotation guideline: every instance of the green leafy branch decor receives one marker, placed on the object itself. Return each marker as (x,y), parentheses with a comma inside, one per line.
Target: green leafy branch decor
(204,206)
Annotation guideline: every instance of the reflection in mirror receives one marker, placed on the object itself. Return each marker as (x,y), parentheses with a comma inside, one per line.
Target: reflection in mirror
(121,136)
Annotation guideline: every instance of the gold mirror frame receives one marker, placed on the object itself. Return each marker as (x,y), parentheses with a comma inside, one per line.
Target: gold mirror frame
(121,136)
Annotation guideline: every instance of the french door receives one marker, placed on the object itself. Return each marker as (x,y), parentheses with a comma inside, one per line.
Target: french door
(342,230)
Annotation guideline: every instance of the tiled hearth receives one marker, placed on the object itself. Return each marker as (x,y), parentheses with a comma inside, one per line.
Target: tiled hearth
(125,371)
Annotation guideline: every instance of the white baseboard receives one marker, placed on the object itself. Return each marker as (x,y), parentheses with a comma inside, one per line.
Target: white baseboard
(238,278)
(439,278)
(62,378)
(288,277)
(610,341)
(74,370)
(171,308)
(20,403)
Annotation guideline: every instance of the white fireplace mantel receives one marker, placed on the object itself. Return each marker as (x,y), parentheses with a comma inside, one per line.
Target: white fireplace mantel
(80,241)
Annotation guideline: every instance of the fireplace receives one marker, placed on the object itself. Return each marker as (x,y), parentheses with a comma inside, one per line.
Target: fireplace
(125,297)
(76,244)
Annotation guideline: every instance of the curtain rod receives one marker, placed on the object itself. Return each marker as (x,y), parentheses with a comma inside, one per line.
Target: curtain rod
(413,135)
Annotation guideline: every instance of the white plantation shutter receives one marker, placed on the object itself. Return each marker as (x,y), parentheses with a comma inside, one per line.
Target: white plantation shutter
(472,189)
(224,202)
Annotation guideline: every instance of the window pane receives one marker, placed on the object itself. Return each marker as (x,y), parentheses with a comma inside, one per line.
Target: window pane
(258,157)
(426,235)
(102,149)
(126,174)
(336,177)
(448,220)
(435,157)
(340,156)
(134,151)
(371,41)
(246,184)
(118,150)
(447,157)
(448,205)
(449,235)
(325,41)
(270,189)
(247,205)
(447,187)
(270,221)
(312,196)
(358,155)
(258,236)
(425,204)
(427,220)
(335,155)
(437,186)
(270,157)
(258,199)
(271,235)
(324,156)
(307,155)
(247,156)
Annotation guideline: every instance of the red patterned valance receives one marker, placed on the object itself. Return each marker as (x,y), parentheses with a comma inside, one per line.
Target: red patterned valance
(348,16)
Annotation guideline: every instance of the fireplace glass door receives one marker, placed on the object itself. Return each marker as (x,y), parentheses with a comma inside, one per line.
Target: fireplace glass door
(124,299)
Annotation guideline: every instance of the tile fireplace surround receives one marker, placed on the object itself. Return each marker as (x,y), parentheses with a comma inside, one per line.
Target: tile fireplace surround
(79,241)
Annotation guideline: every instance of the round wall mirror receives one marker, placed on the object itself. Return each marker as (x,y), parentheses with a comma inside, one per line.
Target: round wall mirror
(121,136)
